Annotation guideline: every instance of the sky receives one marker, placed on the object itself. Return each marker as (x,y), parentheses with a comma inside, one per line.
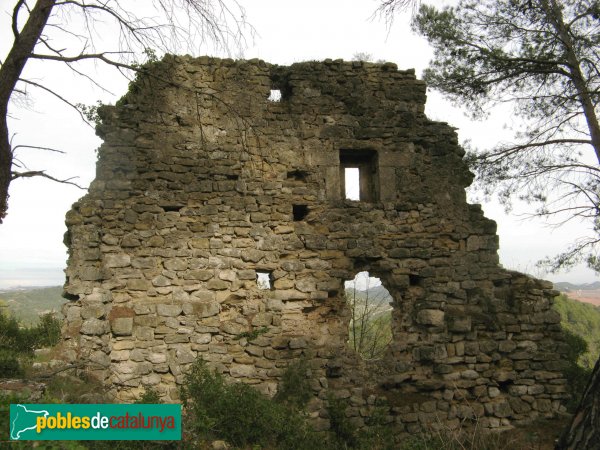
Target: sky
(31,249)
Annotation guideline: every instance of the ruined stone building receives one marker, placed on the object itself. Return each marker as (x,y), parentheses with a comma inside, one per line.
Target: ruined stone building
(205,187)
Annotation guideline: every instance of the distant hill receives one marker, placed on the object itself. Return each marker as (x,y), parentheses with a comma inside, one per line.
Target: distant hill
(378,295)
(26,304)
(584,320)
(564,286)
(378,291)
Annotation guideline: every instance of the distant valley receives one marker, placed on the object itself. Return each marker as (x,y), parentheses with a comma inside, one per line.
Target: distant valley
(587,293)
(28,303)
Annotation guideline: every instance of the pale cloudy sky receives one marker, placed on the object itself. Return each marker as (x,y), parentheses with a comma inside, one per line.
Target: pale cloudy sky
(31,249)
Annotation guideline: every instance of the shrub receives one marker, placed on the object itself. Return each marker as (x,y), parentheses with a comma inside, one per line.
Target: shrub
(378,436)
(149,396)
(583,320)
(341,427)
(5,401)
(14,343)
(17,342)
(240,414)
(47,331)
(294,390)
(576,375)
(474,438)
(13,337)
(9,364)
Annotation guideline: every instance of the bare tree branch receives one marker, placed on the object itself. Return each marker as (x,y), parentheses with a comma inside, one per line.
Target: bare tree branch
(15,18)
(43,174)
(79,26)
(49,149)
(84,56)
(388,9)
(58,96)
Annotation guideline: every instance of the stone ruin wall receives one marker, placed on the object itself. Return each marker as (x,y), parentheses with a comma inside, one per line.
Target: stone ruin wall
(202,182)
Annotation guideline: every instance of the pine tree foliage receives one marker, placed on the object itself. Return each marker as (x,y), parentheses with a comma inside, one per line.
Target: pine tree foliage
(542,58)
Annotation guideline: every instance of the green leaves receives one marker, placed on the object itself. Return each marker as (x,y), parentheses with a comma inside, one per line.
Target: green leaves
(17,342)
(90,112)
(239,414)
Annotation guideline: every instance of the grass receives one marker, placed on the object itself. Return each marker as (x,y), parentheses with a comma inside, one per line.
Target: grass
(539,435)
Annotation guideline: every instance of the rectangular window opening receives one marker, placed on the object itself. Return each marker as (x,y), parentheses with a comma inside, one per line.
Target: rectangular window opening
(352,183)
(275,95)
(264,280)
(358,175)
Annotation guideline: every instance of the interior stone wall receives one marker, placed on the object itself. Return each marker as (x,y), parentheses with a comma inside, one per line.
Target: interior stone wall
(202,182)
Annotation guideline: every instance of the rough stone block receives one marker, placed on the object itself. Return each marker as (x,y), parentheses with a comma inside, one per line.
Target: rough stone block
(168,310)
(117,260)
(94,327)
(119,355)
(176,264)
(144,333)
(137,284)
(130,240)
(122,326)
(217,285)
(204,338)
(176,338)
(459,324)
(262,319)
(296,343)
(90,274)
(123,345)
(280,342)
(433,317)
(234,328)
(203,309)
(94,310)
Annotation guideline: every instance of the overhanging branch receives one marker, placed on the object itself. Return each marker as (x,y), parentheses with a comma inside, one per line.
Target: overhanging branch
(36,147)
(58,96)
(43,174)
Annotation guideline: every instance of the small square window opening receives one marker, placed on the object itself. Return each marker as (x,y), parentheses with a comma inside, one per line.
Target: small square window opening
(275,95)
(300,212)
(263,280)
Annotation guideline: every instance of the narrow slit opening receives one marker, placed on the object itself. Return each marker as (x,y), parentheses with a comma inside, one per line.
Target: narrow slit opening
(352,183)
(172,208)
(298,175)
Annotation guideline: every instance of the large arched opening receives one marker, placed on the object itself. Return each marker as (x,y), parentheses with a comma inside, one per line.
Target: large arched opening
(370,325)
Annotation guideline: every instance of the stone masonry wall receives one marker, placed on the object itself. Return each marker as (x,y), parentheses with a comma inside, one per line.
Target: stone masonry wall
(202,182)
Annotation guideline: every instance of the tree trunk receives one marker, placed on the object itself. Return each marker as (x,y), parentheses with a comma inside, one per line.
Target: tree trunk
(584,431)
(555,17)
(10,71)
